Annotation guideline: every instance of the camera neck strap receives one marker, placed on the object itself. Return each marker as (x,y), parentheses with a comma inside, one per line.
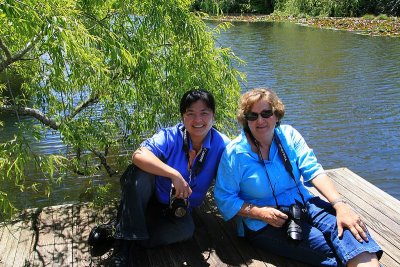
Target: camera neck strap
(199,163)
(285,160)
(288,166)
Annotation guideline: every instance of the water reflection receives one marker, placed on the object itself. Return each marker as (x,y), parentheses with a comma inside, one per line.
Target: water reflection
(73,187)
(341,91)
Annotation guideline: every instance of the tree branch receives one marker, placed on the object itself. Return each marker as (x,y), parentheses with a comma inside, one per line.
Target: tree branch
(103,160)
(5,49)
(91,100)
(18,56)
(33,113)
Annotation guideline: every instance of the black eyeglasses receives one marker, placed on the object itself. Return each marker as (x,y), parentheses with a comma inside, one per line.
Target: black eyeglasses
(252,116)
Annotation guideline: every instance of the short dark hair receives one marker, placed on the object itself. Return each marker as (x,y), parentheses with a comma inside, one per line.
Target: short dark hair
(194,95)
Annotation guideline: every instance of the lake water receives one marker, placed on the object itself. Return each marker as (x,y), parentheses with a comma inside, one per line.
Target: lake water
(341,91)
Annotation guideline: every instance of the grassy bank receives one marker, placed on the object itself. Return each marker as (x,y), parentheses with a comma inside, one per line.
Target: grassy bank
(368,25)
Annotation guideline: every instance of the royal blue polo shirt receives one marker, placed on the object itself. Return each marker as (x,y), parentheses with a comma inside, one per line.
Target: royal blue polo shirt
(167,145)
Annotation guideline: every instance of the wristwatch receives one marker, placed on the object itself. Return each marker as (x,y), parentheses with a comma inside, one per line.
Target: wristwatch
(248,208)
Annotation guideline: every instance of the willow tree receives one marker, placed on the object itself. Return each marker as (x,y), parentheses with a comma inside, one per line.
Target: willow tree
(102,75)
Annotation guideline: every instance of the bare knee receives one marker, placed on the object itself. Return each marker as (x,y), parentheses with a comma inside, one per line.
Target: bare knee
(364,259)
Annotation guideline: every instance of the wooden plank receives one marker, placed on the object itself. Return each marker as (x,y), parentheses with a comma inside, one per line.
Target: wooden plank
(2,226)
(45,245)
(25,244)
(34,218)
(252,256)
(377,208)
(85,217)
(3,244)
(82,222)
(57,236)
(20,250)
(63,235)
(204,242)
(375,217)
(227,254)
(11,234)
(357,186)
(382,218)
(192,253)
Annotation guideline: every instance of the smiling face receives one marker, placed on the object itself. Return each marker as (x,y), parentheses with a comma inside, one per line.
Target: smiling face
(262,128)
(198,119)
(261,110)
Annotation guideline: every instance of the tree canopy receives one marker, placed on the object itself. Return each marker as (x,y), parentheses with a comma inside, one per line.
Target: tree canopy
(103,75)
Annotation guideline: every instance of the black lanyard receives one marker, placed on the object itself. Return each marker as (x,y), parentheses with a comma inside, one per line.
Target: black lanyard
(285,160)
(199,163)
(288,166)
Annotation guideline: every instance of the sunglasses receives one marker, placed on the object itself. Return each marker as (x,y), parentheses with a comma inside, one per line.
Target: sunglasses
(252,116)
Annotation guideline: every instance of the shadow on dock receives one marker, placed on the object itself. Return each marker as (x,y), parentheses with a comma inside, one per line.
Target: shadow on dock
(57,235)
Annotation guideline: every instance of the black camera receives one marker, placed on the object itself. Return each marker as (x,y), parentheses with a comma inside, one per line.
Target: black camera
(177,206)
(293,223)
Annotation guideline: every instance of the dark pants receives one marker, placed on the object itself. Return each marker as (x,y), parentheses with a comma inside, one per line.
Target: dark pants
(141,217)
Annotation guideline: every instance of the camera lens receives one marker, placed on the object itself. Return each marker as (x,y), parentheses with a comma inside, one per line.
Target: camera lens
(294,230)
(180,212)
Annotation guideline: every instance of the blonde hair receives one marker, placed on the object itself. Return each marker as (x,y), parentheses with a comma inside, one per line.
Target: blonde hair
(249,98)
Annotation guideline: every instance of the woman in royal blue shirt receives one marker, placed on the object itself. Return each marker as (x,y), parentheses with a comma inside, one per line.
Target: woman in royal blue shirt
(171,173)
(258,183)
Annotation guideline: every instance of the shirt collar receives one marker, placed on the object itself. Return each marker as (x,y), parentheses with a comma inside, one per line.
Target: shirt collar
(243,146)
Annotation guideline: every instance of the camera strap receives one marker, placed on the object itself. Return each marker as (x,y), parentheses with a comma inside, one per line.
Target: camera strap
(288,166)
(260,157)
(285,160)
(201,158)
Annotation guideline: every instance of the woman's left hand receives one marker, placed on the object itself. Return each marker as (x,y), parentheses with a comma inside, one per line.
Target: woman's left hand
(347,218)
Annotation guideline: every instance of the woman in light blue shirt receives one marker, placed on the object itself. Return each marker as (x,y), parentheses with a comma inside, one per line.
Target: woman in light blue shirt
(258,184)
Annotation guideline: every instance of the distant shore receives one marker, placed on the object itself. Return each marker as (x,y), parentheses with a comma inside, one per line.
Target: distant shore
(374,26)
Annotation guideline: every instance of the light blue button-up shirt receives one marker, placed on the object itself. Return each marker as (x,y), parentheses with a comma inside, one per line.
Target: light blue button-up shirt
(242,177)
(167,145)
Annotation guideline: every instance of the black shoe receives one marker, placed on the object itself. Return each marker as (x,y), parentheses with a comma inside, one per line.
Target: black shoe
(121,254)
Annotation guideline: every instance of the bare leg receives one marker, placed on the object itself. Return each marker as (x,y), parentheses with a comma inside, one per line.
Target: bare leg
(364,259)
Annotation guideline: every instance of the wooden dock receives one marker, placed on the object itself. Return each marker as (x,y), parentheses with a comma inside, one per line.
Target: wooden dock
(57,235)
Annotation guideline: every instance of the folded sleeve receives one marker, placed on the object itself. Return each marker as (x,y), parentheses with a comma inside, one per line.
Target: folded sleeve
(306,160)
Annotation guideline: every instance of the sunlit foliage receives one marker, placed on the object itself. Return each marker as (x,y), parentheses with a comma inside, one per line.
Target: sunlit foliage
(102,75)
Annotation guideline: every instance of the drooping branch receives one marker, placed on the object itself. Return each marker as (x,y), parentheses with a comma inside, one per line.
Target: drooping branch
(25,111)
(89,101)
(40,116)
(5,49)
(103,160)
(19,55)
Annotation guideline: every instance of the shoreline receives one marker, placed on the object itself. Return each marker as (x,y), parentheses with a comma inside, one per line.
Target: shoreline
(373,26)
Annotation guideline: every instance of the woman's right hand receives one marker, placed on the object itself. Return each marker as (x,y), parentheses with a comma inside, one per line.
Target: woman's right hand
(272,216)
(182,188)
